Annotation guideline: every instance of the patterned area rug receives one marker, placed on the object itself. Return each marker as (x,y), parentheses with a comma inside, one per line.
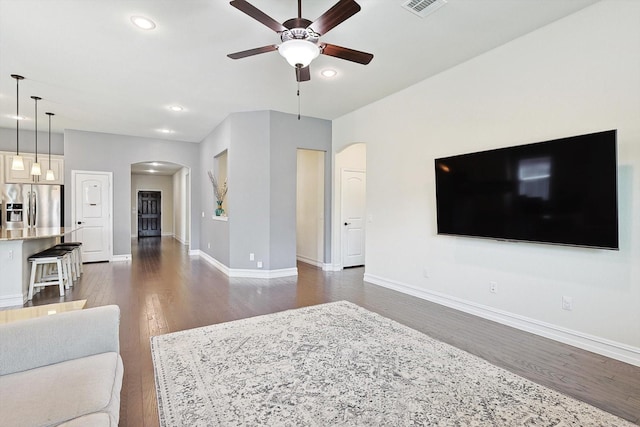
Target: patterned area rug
(339,364)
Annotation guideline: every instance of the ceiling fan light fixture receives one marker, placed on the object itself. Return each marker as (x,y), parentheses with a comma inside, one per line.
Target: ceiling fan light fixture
(299,52)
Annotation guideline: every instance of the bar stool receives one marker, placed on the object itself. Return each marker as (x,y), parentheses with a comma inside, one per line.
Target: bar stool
(61,258)
(77,249)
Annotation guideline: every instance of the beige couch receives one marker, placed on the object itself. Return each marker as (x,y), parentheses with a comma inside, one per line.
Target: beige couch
(63,369)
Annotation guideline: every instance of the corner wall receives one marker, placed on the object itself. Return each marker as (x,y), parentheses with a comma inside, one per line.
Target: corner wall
(575,76)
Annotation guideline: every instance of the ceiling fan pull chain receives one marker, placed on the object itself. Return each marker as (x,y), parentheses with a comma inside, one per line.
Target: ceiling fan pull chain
(298,100)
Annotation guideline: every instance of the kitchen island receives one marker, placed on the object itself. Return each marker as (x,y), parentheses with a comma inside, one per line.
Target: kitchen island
(16,246)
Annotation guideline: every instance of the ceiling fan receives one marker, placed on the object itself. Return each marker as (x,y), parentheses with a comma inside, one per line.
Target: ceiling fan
(301,37)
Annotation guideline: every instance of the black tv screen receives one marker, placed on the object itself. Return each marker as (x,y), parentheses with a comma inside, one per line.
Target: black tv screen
(560,192)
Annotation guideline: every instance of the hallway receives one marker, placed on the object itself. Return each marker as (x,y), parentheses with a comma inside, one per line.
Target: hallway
(164,290)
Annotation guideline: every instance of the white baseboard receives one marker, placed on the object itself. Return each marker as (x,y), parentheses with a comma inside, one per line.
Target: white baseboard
(248,273)
(603,346)
(121,258)
(309,261)
(194,252)
(13,300)
(179,239)
(332,267)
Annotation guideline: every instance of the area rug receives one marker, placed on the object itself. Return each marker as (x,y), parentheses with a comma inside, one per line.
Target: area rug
(338,364)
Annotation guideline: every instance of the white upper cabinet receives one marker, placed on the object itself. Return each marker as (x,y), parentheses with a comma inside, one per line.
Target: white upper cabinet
(24,176)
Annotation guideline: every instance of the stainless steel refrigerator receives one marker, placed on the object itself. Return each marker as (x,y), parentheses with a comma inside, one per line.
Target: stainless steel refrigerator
(32,205)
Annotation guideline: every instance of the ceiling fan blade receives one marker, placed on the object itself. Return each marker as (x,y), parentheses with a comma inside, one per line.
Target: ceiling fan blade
(258,15)
(303,74)
(346,53)
(251,52)
(339,13)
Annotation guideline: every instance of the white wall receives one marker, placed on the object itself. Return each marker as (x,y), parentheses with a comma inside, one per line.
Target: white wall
(181,205)
(310,207)
(162,183)
(578,75)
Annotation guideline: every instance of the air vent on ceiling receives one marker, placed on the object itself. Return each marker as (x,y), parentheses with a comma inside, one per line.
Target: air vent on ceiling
(423,8)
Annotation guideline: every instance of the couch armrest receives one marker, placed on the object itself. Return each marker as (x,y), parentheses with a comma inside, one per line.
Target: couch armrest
(42,341)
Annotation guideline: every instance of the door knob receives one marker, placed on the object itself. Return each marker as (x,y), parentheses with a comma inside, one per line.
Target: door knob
(347,223)
(79,222)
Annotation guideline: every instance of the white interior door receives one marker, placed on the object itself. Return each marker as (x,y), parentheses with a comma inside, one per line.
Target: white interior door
(92,213)
(353,216)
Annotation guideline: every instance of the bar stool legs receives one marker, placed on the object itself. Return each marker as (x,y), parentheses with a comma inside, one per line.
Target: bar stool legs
(38,279)
(60,265)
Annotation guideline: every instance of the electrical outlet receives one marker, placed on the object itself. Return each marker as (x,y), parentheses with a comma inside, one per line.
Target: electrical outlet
(10,254)
(208,245)
(259,264)
(493,287)
(252,257)
(202,214)
(425,272)
(567,303)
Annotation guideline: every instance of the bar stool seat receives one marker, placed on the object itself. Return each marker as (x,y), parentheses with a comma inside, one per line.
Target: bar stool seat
(61,259)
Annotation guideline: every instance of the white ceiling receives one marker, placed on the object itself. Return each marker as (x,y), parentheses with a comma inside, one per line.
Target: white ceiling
(97,72)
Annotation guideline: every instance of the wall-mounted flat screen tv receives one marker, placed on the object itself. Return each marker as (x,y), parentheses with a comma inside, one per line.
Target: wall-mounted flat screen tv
(559,192)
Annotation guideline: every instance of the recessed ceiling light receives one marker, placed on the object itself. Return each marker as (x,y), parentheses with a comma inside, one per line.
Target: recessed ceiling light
(176,108)
(329,73)
(165,131)
(143,23)
(151,171)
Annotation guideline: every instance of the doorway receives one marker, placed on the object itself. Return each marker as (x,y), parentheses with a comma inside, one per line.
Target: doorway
(353,217)
(310,207)
(149,214)
(350,217)
(91,212)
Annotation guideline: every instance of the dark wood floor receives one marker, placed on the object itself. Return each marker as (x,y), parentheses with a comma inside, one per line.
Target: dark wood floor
(164,290)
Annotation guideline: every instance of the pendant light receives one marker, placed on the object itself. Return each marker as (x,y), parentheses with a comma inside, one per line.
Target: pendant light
(49,176)
(35,168)
(18,163)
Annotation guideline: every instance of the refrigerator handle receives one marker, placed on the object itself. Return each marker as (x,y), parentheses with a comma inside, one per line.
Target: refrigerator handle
(28,208)
(35,208)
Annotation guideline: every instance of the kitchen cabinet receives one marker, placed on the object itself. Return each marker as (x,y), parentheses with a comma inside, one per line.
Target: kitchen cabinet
(24,176)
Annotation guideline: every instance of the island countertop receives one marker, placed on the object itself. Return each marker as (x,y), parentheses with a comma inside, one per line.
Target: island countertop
(33,233)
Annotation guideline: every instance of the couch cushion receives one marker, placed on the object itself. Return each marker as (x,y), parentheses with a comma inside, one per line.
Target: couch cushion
(97,419)
(53,394)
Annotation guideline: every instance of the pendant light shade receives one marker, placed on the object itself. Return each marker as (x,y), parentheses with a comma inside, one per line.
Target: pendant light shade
(49,176)
(35,168)
(18,163)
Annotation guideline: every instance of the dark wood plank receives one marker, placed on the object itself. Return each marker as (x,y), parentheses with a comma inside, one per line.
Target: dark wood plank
(164,290)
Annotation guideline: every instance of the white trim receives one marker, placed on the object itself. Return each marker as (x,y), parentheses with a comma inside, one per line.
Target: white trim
(603,346)
(263,274)
(13,300)
(220,218)
(211,260)
(332,267)
(195,252)
(247,273)
(310,261)
(121,258)
(170,234)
